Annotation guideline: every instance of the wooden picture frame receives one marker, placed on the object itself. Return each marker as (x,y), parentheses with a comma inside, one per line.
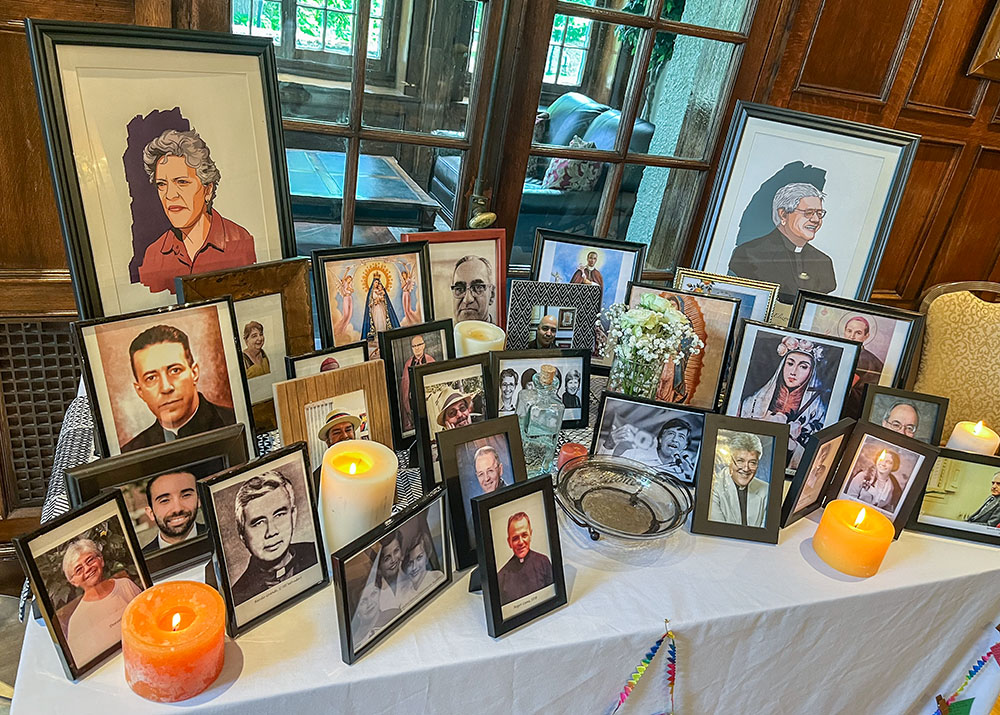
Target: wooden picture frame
(815,472)
(876,395)
(302,365)
(565,362)
(954,474)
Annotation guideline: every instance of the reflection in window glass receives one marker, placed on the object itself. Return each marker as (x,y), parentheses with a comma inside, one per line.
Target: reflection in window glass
(261,18)
(568,48)
(656,206)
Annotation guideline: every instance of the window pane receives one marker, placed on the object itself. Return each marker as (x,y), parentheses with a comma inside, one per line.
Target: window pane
(339,32)
(578,32)
(316,182)
(552,65)
(347,5)
(375,39)
(254,17)
(571,67)
(308,28)
(477,27)
(558,29)
(312,3)
(378,8)
(723,14)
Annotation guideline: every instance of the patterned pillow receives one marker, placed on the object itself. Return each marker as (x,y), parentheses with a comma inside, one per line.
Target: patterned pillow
(573,174)
(537,164)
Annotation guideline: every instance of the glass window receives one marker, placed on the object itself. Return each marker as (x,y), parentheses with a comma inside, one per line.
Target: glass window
(261,18)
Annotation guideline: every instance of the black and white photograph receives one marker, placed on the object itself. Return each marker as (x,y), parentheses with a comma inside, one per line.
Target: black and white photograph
(383,577)
(912,414)
(962,498)
(815,471)
(664,437)
(533,317)
(514,370)
(313,363)
(519,553)
(269,549)
(84,568)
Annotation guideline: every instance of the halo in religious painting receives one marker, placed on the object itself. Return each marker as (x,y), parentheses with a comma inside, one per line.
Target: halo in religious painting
(317,361)
(543,316)
(269,549)
(161,374)
(757,298)
(513,371)
(792,377)
(182,188)
(84,567)
(804,201)
(520,558)
(385,576)
(961,499)
(468,273)
(364,290)
(816,470)
(884,470)
(740,479)
(696,380)
(913,414)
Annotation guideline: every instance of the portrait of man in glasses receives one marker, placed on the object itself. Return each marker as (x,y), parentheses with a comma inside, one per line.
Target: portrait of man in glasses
(474,290)
(787,255)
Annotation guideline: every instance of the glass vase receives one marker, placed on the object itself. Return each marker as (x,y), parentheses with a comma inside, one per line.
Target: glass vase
(635,378)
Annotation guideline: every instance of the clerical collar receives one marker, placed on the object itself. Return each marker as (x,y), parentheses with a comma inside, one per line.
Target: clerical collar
(798,249)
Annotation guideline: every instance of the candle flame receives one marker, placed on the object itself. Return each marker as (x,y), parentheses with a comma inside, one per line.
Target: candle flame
(861,517)
(176,621)
(978,428)
(353,469)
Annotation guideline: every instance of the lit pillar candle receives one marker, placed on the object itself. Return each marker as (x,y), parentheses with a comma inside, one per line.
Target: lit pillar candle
(853,538)
(357,489)
(473,337)
(173,640)
(976,438)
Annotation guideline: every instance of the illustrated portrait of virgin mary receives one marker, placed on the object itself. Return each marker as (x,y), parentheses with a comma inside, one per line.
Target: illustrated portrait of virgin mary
(379,314)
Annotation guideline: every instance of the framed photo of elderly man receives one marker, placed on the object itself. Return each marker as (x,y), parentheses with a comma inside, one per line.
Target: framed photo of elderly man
(961,499)
(162,374)
(804,201)
(269,549)
(913,414)
(816,470)
(152,180)
(84,568)
(791,377)
(740,479)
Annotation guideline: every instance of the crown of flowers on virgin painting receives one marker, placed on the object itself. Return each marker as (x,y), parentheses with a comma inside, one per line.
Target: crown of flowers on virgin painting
(791,344)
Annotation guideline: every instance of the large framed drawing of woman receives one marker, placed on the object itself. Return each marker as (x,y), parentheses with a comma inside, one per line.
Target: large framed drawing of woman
(166,154)
(804,201)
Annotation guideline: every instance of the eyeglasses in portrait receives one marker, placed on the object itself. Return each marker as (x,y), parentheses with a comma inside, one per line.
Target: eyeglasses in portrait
(911,414)
(962,498)
(757,298)
(84,568)
(268,546)
(815,471)
(313,363)
(513,371)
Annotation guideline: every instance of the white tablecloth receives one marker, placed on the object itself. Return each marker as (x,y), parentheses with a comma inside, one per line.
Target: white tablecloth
(760,629)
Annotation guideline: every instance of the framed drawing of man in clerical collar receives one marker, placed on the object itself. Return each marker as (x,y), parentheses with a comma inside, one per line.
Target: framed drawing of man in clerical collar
(513,371)
(791,188)
(888,337)
(269,549)
(816,470)
(913,414)
(791,377)
(182,187)
(163,374)
(961,499)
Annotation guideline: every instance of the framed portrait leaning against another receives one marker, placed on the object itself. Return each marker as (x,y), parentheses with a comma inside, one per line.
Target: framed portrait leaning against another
(757,298)
(961,499)
(912,414)
(816,470)
(325,360)
(152,180)
(513,371)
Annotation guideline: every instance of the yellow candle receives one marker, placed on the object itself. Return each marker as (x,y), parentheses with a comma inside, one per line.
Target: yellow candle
(853,538)
(357,489)
(974,437)
(473,337)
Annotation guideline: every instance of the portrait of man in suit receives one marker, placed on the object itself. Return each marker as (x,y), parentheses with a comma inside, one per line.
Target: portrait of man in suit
(989,512)
(172,504)
(739,496)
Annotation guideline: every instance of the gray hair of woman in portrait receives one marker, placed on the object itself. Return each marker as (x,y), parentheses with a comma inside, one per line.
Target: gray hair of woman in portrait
(745,442)
(189,146)
(788,197)
(75,549)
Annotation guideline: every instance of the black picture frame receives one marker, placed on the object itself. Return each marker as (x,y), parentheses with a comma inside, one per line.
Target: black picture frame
(496,623)
(227,445)
(402,437)
(292,362)
(525,295)
(430,468)
(553,357)
(872,392)
(89,515)
(459,497)
(320,257)
(45,36)
(931,524)
(296,454)
(239,390)
(433,499)
(703,496)
(837,434)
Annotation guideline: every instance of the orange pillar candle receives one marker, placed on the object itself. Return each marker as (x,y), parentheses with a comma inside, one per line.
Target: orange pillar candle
(570,450)
(853,538)
(173,640)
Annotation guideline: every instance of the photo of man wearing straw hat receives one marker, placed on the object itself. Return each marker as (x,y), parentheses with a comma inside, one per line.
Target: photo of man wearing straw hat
(338,427)
(457,410)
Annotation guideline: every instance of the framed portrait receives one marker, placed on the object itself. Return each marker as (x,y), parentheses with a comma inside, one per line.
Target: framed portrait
(317,361)
(468,273)
(159,484)
(791,188)
(513,371)
(533,316)
(323,409)
(888,337)
(793,377)
(364,290)
(269,551)
(478,459)
(697,380)
(816,470)
(520,557)
(403,349)
(151,179)
(387,575)
(273,308)
(448,395)
(912,414)
(884,470)
(740,454)
(84,567)
(961,499)
(162,374)
(757,298)
(665,437)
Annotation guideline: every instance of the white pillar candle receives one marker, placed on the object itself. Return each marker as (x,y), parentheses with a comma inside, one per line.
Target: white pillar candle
(473,337)
(356,491)
(974,437)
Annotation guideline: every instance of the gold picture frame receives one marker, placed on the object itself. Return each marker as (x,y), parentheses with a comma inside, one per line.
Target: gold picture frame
(692,281)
